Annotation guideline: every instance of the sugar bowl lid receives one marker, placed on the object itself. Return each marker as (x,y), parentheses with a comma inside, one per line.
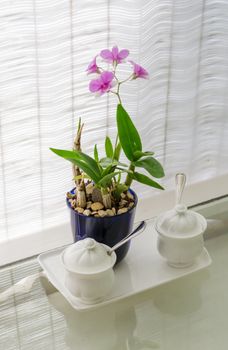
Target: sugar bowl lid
(181,222)
(87,256)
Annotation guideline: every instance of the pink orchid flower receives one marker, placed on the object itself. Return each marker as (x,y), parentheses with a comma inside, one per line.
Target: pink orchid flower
(114,56)
(103,84)
(92,67)
(139,71)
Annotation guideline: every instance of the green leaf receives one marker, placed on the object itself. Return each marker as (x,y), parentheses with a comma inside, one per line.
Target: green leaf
(96,157)
(105,181)
(104,162)
(119,178)
(117,152)
(109,169)
(108,147)
(151,165)
(146,180)
(79,177)
(90,161)
(128,134)
(140,154)
(95,152)
(82,160)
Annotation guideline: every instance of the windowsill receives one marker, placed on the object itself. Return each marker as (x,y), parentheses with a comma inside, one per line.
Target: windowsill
(30,245)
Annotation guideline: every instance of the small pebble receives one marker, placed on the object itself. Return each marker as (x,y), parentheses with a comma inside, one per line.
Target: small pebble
(96,195)
(79,210)
(131,204)
(109,212)
(87,212)
(123,203)
(123,195)
(89,188)
(114,210)
(130,196)
(101,213)
(97,206)
(122,210)
(73,202)
(70,195)
(88,204)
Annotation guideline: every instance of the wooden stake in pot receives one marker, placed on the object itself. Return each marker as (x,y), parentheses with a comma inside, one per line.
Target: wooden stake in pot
(79,181)
(106,198)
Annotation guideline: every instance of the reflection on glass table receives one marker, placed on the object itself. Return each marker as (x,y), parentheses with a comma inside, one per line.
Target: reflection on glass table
(186,314)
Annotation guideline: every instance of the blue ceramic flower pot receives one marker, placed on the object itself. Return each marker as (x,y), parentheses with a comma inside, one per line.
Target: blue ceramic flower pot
(108,230)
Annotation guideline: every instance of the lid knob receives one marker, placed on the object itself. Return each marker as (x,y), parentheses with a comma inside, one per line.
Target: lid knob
(89,243)
(181,208)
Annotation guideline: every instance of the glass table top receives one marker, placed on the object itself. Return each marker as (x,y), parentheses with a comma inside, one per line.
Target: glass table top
(186,314)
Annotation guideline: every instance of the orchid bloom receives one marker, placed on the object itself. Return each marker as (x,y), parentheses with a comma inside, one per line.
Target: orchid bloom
(92,67)
(139,71)
(115,56)
(103,84)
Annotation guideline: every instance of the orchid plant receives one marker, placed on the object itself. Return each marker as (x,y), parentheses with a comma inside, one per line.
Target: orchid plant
(106,173)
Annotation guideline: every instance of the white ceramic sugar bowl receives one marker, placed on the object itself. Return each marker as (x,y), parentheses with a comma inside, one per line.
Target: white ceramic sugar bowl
(180,236)
(89,270)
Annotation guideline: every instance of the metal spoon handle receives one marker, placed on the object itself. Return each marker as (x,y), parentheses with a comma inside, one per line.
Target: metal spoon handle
(180,184)
(139,229)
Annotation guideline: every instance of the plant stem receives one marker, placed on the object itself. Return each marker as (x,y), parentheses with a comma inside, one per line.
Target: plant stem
(129,179)
(118,95)
(124,81)
(118,91)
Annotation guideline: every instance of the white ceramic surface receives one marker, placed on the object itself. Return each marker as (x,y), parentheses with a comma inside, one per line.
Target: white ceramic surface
(181,222)
(87,257)
(180,236)
(88,270)
(180,252)
(141,270)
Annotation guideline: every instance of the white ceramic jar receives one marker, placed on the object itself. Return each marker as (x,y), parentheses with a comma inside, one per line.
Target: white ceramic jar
(89,270)
(180,236)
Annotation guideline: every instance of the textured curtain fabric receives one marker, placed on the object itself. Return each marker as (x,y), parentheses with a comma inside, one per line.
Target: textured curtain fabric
(45,47)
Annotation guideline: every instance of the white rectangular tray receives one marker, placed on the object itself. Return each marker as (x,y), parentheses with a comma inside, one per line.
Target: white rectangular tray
(142,269)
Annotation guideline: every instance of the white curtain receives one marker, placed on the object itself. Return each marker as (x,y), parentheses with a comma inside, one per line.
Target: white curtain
(45,47)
